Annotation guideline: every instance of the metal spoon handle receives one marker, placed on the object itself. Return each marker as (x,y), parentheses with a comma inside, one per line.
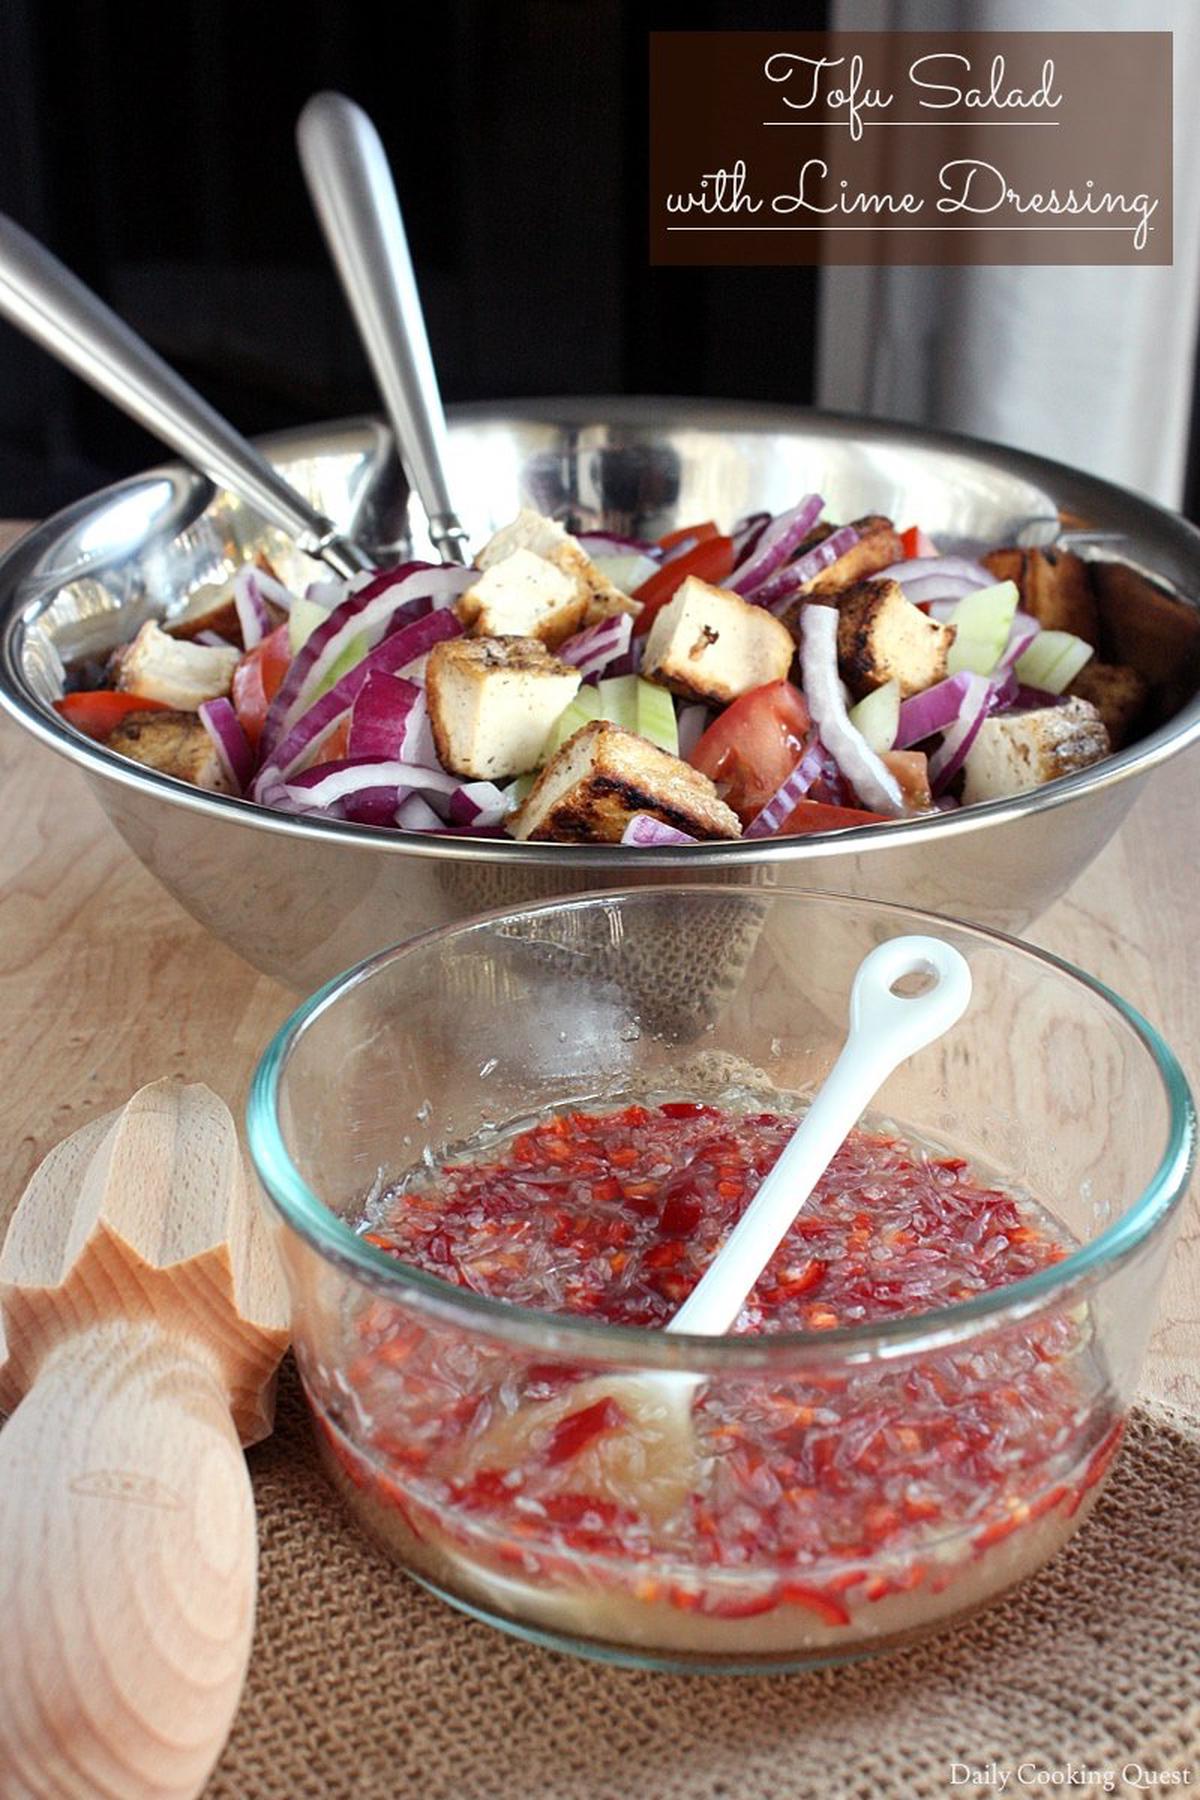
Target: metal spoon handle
(51,305)
(355,199)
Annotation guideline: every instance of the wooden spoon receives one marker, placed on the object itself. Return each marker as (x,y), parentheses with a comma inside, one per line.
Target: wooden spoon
(653,1460)
(142,1319)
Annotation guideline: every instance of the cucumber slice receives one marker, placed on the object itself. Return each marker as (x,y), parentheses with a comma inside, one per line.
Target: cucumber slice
(303,620)
(1053,660)
(982,621)
(584,707)
(624,700)
(877,716)
(640,706)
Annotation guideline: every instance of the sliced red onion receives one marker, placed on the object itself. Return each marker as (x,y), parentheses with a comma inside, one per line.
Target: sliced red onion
(274,591)
(611,543)
(1021,634)
(345,789)
(867,774)
(937,591)
(379,719)
(789,793)
(778,541)
(786,583)
(692,724)
(383,604)
(1027,699)
(214,640)
(681,547)
(592,650)
(644,829)
(958,568)
(477,803)
(934,710)
(747,532)
(253,617)
(951,753)
(229,741)
(326,593)
(329,783)
(629,662)
(418,746)
(393,654)
(1004,690)
(416,814)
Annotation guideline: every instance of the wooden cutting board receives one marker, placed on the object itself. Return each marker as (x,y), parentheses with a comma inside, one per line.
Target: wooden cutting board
(106,983)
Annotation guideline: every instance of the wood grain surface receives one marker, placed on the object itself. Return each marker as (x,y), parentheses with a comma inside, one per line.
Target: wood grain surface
(106,983)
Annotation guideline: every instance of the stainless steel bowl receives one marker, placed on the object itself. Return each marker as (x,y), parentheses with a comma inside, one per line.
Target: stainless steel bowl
(303,898)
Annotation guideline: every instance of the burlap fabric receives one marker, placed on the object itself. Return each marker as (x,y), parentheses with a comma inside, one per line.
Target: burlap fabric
(362,1684)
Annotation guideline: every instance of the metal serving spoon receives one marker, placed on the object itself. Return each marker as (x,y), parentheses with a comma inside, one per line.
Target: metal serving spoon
(654,1456)
(352,190)
(51,305)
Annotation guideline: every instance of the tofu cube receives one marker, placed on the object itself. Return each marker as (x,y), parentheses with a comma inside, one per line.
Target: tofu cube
(711,645)
(1018,751)
(528,531)
(883,637)
(602,776)
(1118,693)
(1055,589)
(547,538)
(523,595)
(174,743)
(492,702)
(180,674)
(879,546)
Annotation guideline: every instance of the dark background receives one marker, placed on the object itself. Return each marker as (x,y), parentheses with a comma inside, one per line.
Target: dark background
(152,148)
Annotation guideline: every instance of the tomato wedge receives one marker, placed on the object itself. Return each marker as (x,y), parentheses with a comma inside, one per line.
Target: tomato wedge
(754,745)
(98,713)
(816,815)
(257,679)
(916,543)
(911,769)
(707,530)
(711,560)
(336,745)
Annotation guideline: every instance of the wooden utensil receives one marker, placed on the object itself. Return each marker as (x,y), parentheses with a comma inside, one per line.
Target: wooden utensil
(142,1319)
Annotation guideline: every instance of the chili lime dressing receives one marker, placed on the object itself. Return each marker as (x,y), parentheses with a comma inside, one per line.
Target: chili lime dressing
(830,1487)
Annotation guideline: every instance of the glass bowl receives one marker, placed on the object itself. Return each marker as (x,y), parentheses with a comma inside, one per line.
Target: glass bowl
(1051,1087)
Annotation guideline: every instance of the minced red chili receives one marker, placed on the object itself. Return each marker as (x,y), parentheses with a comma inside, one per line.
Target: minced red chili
(832,1467)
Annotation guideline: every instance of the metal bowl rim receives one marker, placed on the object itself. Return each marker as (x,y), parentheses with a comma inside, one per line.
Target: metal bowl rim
(95,759)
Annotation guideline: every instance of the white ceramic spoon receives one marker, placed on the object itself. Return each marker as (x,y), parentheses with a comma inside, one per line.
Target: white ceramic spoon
(655,1458)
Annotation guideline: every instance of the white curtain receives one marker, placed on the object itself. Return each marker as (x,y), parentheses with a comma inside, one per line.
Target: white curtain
(1093,366)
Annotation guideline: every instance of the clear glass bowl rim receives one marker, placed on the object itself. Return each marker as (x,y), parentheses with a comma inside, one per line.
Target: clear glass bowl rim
(303,1212)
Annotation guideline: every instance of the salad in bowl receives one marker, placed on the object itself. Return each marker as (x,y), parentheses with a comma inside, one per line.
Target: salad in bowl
(788,676)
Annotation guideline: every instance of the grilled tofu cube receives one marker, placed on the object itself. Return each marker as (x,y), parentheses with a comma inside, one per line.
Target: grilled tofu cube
(209,608)
(523,595)
(710,645)
(883,637)
(174,743)
(1118,693)
(602,776)
(528,531)
(1154,632)
(1018,751)
(182,675)
(1055,589)
(492,702)
(879,546)
(547,538)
